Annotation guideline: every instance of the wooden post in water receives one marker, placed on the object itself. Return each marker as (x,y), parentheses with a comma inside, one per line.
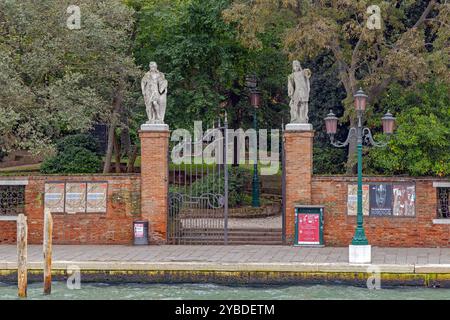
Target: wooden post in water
(47,248)
(22,231)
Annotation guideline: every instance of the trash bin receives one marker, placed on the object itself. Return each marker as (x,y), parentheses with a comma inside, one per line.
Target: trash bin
(140,232)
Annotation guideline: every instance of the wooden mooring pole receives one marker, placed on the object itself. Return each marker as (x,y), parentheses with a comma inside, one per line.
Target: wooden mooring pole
(22,231)
(47,248)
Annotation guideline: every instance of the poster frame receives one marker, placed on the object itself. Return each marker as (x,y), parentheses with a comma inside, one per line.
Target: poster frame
(85,207)
(393,183)
(313,209)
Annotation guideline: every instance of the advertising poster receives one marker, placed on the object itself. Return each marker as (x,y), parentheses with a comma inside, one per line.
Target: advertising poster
(308,228)
(380,200)
(75,197)
(96,197)
(404,200)
(54,197)
(139,230)
(352,199)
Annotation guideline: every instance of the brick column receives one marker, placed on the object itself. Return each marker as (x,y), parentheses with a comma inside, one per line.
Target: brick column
(154,180)
(299,167)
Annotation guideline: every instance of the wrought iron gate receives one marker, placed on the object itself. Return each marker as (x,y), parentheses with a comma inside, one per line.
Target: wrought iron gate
(198,197)
(198,192)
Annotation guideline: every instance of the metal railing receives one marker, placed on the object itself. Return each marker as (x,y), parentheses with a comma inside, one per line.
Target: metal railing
(12,200)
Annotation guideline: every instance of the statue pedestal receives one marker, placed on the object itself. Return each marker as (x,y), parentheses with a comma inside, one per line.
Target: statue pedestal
(299,127)
(298,148)
(154,127)
(154,179)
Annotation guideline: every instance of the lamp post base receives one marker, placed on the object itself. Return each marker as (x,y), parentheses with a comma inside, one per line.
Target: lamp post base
(360,253)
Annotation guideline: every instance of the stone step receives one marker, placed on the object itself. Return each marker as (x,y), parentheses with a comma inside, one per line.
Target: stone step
(238,236)
(197,241)
(234,236)
(233,230)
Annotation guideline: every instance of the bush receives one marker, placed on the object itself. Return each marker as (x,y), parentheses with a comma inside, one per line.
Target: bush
(215,182)
(421,142)
(78,140)
(72,160)
(329,160)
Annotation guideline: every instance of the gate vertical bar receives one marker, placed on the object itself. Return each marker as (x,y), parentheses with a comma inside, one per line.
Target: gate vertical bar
(283,187)
(225,167)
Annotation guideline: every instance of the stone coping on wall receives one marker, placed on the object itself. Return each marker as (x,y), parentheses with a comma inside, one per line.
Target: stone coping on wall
(345,178)
(37,176)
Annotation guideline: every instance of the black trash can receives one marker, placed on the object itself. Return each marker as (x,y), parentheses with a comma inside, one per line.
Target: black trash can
(140,232)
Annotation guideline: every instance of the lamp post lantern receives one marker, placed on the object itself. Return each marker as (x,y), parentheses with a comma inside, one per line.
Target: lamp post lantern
(359,250)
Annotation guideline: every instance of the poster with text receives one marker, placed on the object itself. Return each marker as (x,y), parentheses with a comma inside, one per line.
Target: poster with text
(380,200)
(96,197)
(352,199)
(308,228)
(54,197)
(75,197)
(404,200)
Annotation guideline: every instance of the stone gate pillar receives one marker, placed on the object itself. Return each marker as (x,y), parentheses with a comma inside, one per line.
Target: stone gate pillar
(298,146)
(154,179)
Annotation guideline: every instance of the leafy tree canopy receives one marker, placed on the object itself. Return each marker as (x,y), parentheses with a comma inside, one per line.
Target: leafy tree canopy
(55,80)
(421,144)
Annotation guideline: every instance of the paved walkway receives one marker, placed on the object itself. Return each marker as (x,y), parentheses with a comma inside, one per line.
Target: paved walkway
(274,258)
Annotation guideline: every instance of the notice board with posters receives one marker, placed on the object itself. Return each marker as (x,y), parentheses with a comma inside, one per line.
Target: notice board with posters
(384,199)
(308,225)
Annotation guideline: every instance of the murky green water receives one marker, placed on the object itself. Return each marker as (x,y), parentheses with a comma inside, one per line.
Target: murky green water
(217,292)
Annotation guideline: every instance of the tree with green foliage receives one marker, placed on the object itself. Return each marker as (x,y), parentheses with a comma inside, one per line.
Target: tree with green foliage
(205,63)
(56,81)
(421,144)
(410,47)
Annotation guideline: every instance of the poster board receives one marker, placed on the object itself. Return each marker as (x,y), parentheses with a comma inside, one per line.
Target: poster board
(54,197)
(404,200)
(75,197)
(397,199)
(380,199)
(308,226)
(352,199)
(96,197)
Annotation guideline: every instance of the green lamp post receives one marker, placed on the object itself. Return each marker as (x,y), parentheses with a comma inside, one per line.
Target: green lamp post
(255,101)
(359,250)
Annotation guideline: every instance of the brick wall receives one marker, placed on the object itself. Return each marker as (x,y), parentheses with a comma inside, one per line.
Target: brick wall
(112,227)
(418,231)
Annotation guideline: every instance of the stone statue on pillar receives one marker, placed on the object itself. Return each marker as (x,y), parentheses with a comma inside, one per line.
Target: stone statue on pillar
(154,89)
(298,91)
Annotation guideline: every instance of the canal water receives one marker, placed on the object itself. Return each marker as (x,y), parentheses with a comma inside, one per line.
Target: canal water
(136,291)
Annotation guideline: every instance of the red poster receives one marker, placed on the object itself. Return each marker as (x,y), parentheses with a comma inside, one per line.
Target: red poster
(308,228)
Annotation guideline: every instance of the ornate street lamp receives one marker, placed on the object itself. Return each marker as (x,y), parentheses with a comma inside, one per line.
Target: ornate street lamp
(360,251)
(255,102)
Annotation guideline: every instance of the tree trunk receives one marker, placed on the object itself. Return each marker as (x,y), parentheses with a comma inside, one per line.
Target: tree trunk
(109,149)
(117,154)
(117,103)
(125,139)
(132,155)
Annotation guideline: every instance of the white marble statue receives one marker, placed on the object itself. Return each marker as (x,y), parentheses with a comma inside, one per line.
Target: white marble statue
(298,91)
(154,89)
